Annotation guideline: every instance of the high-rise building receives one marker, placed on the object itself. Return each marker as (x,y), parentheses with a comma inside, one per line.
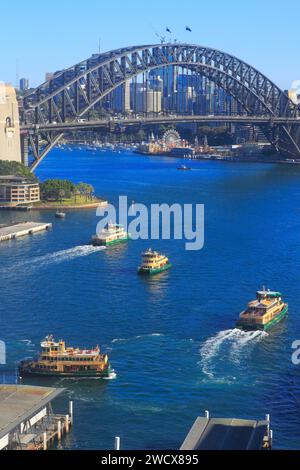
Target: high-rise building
(126,97)
(292,94)
(120,99)
(148,101)
(24,84)
(164,79)
(156,83)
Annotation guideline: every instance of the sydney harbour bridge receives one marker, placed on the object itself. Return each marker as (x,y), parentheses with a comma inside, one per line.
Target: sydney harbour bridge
(72,98)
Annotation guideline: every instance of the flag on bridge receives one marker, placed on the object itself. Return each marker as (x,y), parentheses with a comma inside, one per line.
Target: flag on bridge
(168,30)
(187,28)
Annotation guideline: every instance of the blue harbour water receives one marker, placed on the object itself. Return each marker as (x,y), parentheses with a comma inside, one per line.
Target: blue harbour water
(171,338)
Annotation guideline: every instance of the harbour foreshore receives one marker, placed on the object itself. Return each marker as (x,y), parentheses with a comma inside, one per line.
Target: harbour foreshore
(56,207)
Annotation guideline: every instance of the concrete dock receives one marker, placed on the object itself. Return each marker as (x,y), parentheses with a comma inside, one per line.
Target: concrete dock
(27,421)
(20,230)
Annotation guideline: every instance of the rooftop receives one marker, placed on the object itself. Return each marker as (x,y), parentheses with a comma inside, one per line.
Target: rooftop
(5,179)
(19,402)
(12,177)
(269,293)
(226,434)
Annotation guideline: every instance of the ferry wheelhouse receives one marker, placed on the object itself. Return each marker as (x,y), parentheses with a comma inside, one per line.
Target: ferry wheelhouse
(264,312)
(56,359)
(154,263)
(112,235)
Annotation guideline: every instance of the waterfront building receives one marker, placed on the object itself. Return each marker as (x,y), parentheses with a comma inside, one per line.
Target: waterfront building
(10,148)
(16,190)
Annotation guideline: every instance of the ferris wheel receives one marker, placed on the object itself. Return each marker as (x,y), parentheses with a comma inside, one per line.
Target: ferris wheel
(171,138)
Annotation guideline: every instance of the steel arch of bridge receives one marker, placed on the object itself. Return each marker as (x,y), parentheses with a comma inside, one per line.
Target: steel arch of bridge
(73,92)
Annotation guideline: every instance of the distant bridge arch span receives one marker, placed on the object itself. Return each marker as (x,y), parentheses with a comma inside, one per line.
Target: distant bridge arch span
(73,92)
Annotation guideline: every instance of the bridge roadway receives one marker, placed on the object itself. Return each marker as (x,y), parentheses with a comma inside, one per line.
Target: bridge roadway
(105,123)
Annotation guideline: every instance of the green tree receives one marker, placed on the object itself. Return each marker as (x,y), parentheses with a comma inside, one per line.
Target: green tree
(86,190)
(90,191)
(62,194)
(16,169)
(215,135)
(53,189)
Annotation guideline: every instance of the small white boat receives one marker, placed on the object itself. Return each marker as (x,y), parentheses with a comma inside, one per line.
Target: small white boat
(60,215)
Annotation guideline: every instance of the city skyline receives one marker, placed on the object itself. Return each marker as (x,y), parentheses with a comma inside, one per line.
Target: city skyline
(32,55)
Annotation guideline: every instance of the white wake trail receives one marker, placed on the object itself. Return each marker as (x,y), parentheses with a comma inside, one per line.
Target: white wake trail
(245,339)
(60,256)
(211,346)
(231,342)
(68,255)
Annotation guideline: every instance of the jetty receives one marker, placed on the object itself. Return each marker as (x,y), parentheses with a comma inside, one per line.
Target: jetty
(27,421)
(229,434)
(11,232)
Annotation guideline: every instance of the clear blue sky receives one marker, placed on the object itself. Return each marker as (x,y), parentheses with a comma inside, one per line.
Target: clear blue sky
(48,36)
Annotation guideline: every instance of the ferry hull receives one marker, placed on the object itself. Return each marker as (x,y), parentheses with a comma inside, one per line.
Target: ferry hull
(29,372)
(107,244)
(152,272)
(267,327)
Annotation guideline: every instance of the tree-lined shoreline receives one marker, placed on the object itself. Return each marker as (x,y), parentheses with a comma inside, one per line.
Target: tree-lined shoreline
(55,193)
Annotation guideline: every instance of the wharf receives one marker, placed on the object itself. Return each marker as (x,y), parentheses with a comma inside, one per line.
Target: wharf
(27,421)
(20,230)
(229,434)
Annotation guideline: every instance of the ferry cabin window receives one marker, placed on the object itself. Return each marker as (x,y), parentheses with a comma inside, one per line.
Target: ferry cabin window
(73,359)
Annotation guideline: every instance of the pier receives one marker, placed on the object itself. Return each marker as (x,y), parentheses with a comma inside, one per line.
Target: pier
(20,230)
(27,421)
(229,434)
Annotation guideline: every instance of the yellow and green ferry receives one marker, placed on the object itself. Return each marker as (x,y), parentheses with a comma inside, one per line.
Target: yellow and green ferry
(57,360)
(113,234)
(264,312)
(154,263)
